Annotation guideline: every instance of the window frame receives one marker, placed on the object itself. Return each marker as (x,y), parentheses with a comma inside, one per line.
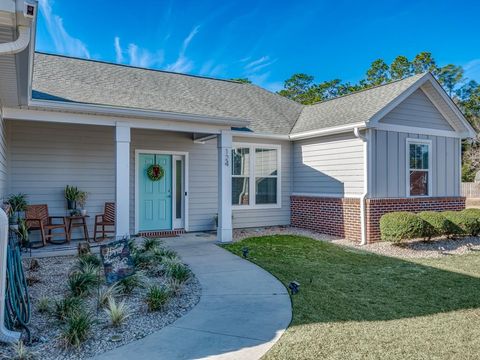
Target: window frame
(427,142)
(252,176)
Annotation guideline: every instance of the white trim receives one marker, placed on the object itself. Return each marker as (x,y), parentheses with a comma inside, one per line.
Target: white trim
(178,223)
(137,182)
(326,195)
(366,142)
(251,203)
(428,142)
(140,113)
(419,130)
(326,131)
(102,120)
(239,133)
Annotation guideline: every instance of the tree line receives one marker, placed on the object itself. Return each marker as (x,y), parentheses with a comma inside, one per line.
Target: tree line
(465,92)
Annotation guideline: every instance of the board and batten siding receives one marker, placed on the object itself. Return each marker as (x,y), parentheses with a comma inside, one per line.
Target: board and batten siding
(330,165)
(389,164)
(45,157)
(274,216)
(417,111)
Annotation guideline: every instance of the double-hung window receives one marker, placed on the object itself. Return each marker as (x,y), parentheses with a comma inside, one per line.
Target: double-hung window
(255,176)
(419,176)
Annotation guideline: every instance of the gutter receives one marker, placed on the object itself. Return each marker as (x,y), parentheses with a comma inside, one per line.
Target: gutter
(128,112)
(363,217)
(18,45)
(326,131)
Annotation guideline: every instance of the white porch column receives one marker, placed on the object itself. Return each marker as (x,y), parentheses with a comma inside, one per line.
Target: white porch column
(224,144)
(122,179)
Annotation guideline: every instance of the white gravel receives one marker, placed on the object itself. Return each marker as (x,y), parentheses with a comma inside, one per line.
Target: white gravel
(46,329)
(409,249)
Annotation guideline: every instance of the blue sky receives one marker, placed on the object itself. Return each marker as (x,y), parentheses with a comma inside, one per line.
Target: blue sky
(266,41)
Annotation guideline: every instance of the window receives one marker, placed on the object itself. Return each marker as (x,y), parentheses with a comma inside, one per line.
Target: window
(255,175)
(419,167)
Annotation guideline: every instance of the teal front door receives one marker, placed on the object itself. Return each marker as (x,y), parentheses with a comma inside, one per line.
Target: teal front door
(155,197)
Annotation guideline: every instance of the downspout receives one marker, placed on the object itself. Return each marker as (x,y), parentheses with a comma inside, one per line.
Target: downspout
(363,217)
(18,45)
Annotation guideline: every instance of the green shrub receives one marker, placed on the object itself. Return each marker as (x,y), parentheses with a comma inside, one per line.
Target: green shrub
(472,221)
(78,325)
(398,226)
(157,297)
(437,224)
(64,307)
(459,222)
(82,283)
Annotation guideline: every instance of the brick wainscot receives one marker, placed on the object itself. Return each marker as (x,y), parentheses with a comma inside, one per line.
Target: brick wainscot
(341,216)
(375,208)
(327,215)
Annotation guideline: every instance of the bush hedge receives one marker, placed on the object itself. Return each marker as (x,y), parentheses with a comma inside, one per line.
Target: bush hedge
(398,226)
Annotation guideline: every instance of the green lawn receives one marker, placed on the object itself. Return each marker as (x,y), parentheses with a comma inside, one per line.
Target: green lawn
(357,305)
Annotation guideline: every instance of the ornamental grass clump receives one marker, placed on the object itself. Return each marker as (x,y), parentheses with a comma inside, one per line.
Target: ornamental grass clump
(157,297)
(111,292)
(21,352)
(65,307)
(399,226)
(77,328)
(136,280)
(89,259)
(117,313)
(177,270)
(43,305)
(150,244)
(82,282)
(437,224)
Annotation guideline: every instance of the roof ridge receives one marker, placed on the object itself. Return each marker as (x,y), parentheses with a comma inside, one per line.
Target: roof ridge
(138,67)
(367,89)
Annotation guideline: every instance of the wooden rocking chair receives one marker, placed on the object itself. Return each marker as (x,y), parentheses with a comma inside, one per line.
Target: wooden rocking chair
(107,219)
(38,218)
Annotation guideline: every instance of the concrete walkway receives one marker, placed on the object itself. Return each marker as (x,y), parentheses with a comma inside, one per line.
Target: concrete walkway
(243,310)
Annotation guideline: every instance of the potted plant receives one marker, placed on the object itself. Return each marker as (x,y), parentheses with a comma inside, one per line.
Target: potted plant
(22,232)
(82,199)
(17,203)
(71,195)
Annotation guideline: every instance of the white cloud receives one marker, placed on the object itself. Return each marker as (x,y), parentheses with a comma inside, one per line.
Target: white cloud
(259,64)
(118,50)
(183,64)
(63,41)
(472,70)
(136,56)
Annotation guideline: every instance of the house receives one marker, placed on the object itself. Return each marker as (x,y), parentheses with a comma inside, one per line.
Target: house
(223,147)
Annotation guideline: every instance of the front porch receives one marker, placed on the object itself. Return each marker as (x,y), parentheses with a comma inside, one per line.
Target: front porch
(105,161)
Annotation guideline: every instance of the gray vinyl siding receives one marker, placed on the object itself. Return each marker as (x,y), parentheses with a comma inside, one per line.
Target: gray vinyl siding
(331,165)
(45,157)
(202,173)
(3,158)
(417,111)
(389,164)
(275,216)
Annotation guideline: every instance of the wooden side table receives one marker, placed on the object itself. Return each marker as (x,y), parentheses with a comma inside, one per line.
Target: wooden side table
(76,221)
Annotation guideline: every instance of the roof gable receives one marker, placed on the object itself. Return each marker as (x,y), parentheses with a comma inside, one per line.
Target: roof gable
(417,111)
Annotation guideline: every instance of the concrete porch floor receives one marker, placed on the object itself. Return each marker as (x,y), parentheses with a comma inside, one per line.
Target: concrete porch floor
(242,312)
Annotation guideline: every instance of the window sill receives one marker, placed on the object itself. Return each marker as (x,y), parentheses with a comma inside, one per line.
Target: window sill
(256,207)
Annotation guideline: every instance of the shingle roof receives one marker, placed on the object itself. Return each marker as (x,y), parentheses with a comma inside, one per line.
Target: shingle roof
(84,81)
(357,107)
(69,79)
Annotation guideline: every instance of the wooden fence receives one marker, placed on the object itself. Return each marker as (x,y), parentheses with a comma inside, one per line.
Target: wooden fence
(470,189)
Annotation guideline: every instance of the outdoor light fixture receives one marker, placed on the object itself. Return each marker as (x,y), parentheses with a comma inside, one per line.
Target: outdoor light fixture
(294,287)
(245,252)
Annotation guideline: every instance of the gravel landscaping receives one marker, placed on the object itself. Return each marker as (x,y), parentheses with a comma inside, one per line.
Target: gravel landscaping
(50,281)
(408,249)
